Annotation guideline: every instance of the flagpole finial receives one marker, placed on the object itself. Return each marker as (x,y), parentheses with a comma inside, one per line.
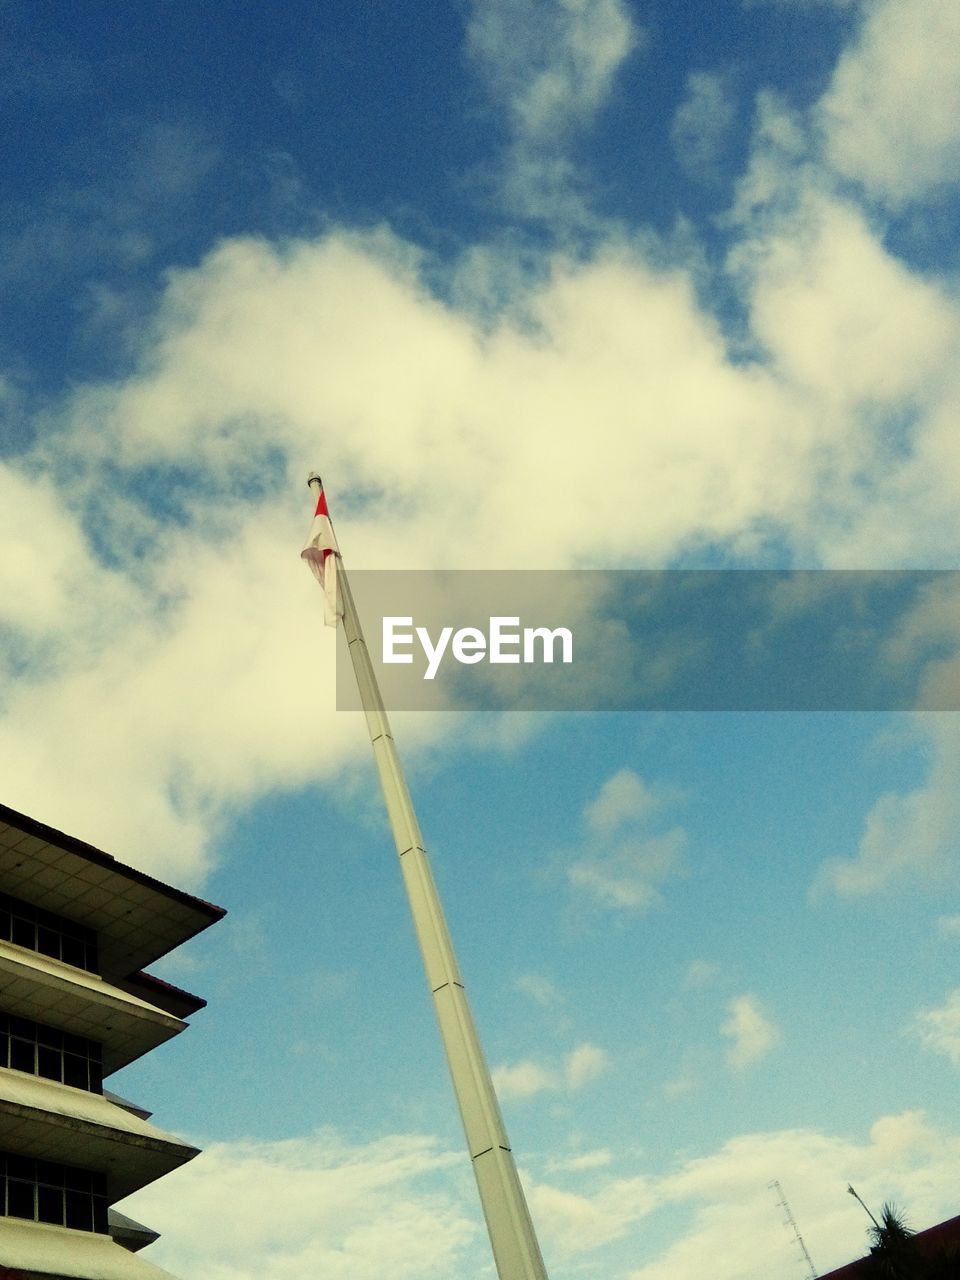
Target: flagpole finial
(314,478)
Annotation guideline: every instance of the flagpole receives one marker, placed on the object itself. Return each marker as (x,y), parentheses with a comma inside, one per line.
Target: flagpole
(512,1236)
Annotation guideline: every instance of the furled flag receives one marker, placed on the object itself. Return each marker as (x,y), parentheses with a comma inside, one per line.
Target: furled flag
(321,554)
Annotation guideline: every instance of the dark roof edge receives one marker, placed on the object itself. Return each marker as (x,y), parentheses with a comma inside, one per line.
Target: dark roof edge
(72,844)
(150,980)
(930,1240)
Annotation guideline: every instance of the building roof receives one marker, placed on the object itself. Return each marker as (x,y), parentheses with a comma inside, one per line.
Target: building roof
(131,1234)
(52,1121)
(123,1024)
(930,1243)
(138,919)
(162,994)
(32,1248)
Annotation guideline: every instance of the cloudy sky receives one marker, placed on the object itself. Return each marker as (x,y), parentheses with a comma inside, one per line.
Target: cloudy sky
(537,284)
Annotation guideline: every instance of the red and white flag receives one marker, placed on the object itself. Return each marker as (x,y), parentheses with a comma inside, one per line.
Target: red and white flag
(321,554)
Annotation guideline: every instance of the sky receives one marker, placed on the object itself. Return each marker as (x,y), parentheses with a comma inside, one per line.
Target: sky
(535,284)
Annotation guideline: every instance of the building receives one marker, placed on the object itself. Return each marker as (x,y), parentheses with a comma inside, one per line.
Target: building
(937,1244)
(77,929)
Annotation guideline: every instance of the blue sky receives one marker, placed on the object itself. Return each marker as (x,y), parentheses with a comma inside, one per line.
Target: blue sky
(536,285)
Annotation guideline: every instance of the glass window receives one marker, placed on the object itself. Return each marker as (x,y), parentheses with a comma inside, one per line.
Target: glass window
(44,1191)
(75,1071)
(49,1062)
(47,933)
(78,1179)
(100,1214)
(79,1213)
(49,1204)
(73,1044)
(48,942)
(53,1054)
(24,933)
(20,1199)
(23,1055)
(73,951)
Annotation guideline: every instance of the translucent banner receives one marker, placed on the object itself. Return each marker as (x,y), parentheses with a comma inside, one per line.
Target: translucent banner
(675,640)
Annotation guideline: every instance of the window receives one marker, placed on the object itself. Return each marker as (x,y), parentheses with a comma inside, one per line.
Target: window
(56,1055)
(43,1191)
(47,933)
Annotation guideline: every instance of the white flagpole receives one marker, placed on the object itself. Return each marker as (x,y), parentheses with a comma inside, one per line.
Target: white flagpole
(512,1236)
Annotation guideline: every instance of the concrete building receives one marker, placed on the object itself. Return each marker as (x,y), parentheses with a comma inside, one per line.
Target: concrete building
(77,929)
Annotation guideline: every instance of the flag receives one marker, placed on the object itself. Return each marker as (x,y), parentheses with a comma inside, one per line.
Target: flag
(321,554)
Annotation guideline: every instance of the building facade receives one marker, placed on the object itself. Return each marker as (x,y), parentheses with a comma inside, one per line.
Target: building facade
(77,930)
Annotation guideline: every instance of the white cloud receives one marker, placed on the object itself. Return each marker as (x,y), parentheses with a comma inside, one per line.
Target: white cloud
(597,1159)
(624,798)
(933,622)
(949,926)
(170,687)
(751,1033)
(939,1028)
(625,859)
(401,395)
(910,838)
(545,994)
(161,702)
(723,1216)
(585,1063)
(927,641)
(687,1080)
(176,687)
(867,343)
(891,117)
(309,1207)
(161,667)
(551,64)
(700,974)
(525,1079)
(540,989)
(318,1205)
(843,317)
(701,125)
(736,1232)
(628,876)
(50,582)
(573,1224)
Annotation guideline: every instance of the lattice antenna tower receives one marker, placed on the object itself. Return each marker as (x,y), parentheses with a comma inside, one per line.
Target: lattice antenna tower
(791,1222)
